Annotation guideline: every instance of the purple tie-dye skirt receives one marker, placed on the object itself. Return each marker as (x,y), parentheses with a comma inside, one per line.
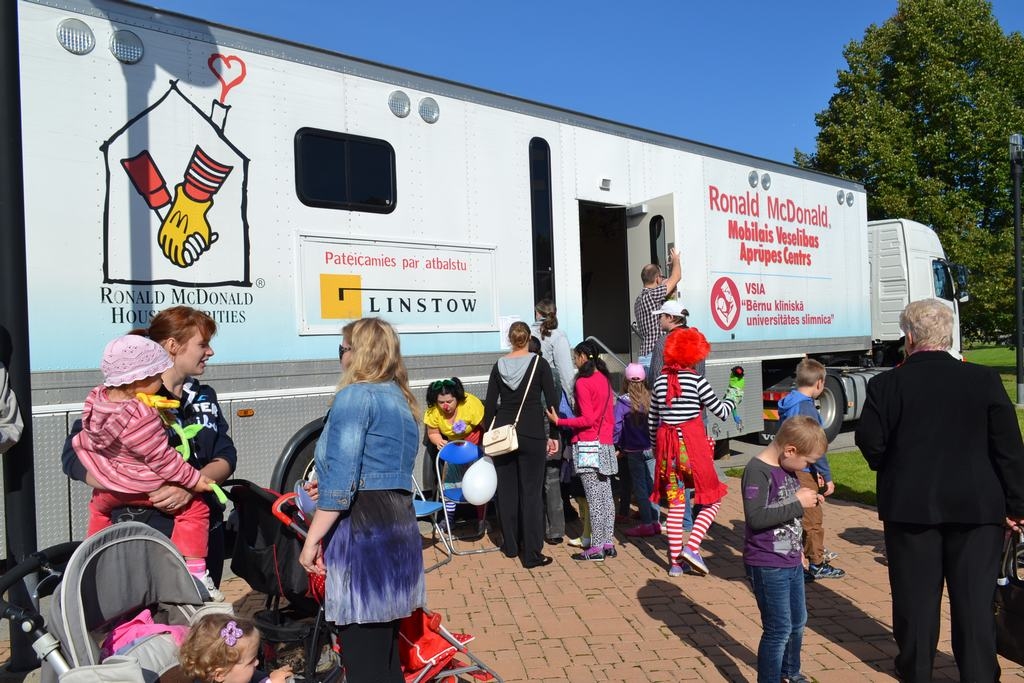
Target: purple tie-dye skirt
(374,561)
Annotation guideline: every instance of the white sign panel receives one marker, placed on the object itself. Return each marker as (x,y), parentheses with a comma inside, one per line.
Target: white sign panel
(786,258)
(415,287)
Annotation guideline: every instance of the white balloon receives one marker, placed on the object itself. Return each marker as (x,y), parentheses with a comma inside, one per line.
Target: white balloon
(480,481)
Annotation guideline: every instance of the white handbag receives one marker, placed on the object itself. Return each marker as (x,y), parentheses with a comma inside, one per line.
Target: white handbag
(504,439)
(501,440)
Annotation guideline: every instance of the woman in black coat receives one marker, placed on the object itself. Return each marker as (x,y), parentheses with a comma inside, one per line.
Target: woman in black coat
(522,381)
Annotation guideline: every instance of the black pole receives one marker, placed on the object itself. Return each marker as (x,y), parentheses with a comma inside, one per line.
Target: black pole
(1016,161)
(19,486)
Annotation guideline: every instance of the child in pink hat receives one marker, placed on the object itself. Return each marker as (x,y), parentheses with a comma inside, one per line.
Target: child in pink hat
(123,444)
(633,440)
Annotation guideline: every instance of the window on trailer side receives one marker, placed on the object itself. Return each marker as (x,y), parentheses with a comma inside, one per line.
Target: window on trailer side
(342,171)
(543,229)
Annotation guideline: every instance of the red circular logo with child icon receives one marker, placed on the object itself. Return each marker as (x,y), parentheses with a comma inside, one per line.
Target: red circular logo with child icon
(725,303)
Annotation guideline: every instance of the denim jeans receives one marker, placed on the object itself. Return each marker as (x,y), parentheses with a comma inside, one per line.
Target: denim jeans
(780,598)
(688,512)
(646,362)
(641,470)
(554,514)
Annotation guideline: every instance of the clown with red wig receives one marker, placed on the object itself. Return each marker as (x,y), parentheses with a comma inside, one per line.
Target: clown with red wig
(685,455)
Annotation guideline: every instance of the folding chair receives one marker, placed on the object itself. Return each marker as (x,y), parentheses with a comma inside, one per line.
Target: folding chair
(429,510)
(430,652)
(458,454)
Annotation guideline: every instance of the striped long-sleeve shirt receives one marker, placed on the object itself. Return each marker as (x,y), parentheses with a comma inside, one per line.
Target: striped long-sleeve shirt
(123,445)
(695,392)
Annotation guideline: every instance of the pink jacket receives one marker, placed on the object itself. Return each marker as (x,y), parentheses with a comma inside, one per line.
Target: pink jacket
(595,402)
(124,446)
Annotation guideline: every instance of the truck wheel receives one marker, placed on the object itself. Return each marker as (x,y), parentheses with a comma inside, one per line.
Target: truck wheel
(298,466)
(831,406)
(296,456)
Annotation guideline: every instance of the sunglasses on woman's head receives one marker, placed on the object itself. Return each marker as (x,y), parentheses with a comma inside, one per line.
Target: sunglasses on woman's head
(441,384)
(342,350)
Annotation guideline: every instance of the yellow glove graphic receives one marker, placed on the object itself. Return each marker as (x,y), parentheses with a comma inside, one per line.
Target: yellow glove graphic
(185,233)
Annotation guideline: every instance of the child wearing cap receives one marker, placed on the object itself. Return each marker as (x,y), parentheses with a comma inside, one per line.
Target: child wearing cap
(632,439)
(123,445)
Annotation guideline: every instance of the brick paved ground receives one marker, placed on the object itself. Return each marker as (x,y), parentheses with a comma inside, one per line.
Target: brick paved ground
(626,620)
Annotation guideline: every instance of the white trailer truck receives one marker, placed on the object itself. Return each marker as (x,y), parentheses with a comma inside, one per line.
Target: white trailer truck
(286,189)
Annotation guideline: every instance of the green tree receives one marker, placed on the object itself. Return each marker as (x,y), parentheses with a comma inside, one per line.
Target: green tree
(922,116)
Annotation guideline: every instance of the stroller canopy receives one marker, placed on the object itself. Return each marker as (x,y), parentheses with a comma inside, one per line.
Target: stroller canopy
(113,574)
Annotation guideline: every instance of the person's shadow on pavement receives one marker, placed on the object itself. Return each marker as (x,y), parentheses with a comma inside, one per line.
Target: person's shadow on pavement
(665,600)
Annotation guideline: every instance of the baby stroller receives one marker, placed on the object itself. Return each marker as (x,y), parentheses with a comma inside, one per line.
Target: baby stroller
(266,555)
(271,531)
(119,573)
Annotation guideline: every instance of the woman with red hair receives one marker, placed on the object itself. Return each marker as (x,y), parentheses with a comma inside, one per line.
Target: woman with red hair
(685,456)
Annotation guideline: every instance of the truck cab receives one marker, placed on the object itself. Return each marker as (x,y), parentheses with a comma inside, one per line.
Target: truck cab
(908,264)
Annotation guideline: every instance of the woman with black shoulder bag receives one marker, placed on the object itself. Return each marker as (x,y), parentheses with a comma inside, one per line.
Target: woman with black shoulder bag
(514,397)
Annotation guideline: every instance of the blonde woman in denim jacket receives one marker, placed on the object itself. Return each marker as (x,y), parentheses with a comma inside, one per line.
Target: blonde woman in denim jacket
(372,554)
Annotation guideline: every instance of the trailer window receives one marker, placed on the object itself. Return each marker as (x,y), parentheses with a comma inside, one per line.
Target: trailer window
(540,205)
(657,234)
(943,282)
(341,171)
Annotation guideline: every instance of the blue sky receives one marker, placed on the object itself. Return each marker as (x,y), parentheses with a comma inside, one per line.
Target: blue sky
(739,74)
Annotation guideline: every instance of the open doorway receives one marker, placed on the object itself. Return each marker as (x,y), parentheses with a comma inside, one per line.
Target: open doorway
(605,272)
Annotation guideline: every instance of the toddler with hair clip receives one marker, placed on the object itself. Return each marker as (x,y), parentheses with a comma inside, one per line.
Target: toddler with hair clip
(221,648)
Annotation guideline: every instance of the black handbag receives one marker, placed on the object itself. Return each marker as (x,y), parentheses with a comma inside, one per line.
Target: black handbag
(1009,602)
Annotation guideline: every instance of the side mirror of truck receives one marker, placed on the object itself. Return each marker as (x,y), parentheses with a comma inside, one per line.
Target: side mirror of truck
(959,272)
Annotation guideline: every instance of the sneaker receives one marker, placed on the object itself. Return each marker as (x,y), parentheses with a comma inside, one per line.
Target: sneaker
(592,555)
(808,576)
(644,530)
(206,581)
(799,678)
(694,559)
(676,570)
(829,555)
(825,571)
(610,551)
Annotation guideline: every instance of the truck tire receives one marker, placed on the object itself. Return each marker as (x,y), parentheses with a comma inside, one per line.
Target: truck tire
(296,456)
(831,405)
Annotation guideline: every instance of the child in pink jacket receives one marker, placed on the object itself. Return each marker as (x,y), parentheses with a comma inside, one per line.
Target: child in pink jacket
(123,444)
(593,427)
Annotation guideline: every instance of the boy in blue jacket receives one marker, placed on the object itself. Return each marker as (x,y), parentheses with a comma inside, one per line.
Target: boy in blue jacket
(810,382)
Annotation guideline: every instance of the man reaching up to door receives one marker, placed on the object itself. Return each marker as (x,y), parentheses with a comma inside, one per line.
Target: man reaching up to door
(656,290)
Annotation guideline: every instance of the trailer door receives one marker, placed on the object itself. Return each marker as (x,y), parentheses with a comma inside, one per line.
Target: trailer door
(604,275)
(650,234)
